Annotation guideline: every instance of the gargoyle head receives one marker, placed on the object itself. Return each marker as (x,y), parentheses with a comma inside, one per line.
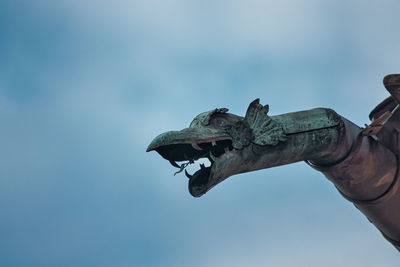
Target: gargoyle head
(229,141)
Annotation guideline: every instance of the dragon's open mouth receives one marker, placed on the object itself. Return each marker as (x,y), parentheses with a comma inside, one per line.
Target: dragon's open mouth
(189,153)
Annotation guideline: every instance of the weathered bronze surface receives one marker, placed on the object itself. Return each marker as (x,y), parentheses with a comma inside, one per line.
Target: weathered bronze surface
(361,162)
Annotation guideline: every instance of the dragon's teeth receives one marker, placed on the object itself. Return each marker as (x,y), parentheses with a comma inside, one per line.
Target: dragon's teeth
(212,156)
(196,146)
(173,163)
(188,175)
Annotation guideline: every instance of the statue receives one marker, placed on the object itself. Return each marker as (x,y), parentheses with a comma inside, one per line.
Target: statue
(362,163)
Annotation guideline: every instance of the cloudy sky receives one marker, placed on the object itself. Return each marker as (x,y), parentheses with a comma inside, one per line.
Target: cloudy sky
(85,86)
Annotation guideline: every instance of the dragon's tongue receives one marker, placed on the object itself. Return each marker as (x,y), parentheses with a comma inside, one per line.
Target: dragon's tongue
(183,166)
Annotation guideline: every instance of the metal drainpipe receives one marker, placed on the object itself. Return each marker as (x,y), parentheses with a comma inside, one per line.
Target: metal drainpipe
(368,177)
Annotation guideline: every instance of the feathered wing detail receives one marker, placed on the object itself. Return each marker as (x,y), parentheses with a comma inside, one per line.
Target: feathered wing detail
(252,111)
(265,130)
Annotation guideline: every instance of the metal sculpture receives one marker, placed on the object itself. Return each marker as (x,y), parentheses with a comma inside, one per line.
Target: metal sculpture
(362,163)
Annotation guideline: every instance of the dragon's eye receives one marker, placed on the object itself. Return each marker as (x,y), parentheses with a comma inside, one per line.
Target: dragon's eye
(218,121)
(206,118)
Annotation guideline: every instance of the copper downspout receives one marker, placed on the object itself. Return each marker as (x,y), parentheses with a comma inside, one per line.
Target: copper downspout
(368,177)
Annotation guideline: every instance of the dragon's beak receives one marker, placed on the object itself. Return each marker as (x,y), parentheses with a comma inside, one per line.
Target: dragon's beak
(191,144)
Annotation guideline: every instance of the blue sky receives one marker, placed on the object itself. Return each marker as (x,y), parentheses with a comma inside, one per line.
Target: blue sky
(86,85)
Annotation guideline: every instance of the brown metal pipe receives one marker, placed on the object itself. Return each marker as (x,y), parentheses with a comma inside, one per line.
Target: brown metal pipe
(368,177)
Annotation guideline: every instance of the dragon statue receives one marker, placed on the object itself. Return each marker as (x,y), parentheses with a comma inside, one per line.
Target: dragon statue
(362,163)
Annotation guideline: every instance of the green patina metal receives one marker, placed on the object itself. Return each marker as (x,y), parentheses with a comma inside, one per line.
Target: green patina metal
(363,169)
(236,144)
(203,119)
(314,119)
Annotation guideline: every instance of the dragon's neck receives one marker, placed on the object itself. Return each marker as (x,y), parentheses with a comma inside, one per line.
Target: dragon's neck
(319,136)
